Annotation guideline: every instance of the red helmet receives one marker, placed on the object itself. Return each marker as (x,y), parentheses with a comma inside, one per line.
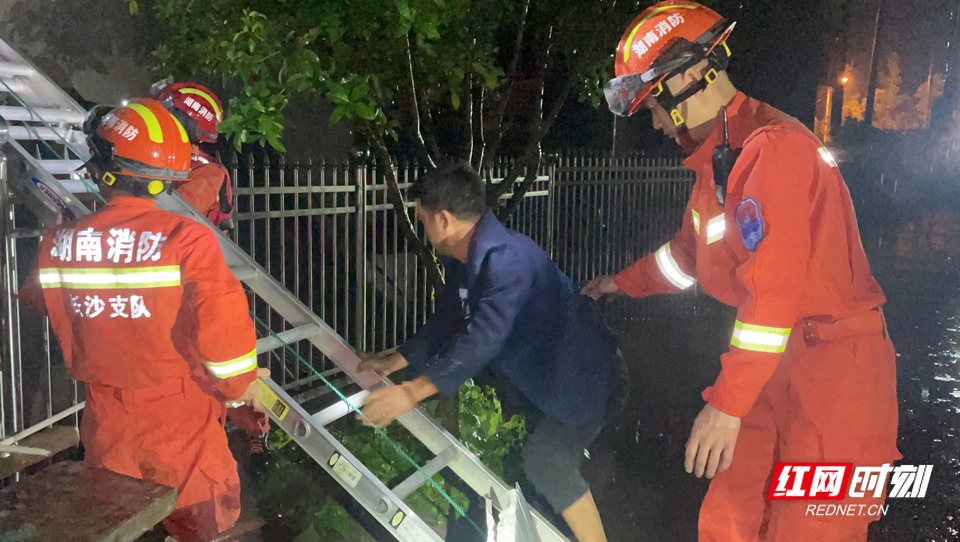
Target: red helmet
(139,139)
(198,109)
(664,40)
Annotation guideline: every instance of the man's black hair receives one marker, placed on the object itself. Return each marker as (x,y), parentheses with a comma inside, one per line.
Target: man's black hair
(453,187)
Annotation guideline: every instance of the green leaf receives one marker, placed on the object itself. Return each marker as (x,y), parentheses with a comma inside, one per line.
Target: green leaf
(133,7)
(359,92)
(404,8)
(364,111)
(338,113)
(455,100)
(337,93)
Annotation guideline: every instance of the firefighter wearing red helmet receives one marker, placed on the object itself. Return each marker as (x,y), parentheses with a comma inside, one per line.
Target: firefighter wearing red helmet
(152,321)
(770,230)
(200,111)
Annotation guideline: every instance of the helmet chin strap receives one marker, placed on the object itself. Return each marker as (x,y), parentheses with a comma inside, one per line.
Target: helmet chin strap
(716,62)
(672,103)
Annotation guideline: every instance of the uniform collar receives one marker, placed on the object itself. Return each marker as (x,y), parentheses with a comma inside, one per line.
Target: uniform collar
(486,234)
(201,158)
(130,201)
(702,154)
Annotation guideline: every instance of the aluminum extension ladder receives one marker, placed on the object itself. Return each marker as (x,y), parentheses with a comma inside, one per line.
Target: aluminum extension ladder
(43,143)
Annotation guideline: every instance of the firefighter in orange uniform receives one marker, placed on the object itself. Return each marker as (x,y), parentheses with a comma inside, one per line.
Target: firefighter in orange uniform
(208,190)
(200,111)
(769,229)
(152,321)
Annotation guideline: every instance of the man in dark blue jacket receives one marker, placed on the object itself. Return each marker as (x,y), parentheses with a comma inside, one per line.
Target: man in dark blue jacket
(508,307)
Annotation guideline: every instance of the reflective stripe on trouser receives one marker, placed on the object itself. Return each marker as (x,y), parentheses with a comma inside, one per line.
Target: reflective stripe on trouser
(233,367)
(671,270)
(108,278)
(760,338)
(835,402)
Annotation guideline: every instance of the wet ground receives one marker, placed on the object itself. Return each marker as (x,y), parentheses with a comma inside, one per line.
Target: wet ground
(673,348)
(637,466)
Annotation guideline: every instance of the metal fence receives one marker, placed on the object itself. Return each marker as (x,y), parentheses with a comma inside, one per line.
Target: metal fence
(328,233)
(612,211)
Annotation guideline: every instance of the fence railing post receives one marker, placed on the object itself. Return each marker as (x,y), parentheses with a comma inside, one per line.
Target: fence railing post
(360,254)
(6,352)
(12,315)
(551,198)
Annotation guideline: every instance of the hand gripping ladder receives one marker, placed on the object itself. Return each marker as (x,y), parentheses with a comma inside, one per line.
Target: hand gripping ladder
(42,112)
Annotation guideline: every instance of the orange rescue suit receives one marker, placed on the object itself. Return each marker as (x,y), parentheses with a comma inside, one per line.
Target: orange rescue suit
(202,190)
(810,368)
(156,326)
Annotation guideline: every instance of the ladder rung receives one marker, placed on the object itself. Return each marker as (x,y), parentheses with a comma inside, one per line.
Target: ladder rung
(340,409)
(296,384)
(320,391)
(13,69)
(290,336)
(78,186)
(40,114)
(61,167)
(16,86)
(312,378)
(40,132)
(417,479)
(245,272)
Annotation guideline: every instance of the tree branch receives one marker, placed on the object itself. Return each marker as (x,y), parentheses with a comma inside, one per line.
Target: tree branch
(481,135)
(418,136)
(531,152)
(431,137)
(382,100)
(424,254)
(511,75)
(543,126)
(504,212)
(468,116)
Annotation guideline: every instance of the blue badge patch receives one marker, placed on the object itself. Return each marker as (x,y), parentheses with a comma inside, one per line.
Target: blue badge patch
(750,222)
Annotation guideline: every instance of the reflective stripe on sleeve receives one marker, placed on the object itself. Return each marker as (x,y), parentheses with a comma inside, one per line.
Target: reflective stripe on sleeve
(671,270)
(760,338)
(715,228)
(233,367)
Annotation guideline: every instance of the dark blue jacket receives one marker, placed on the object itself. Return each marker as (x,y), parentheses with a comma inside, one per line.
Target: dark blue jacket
(509,306)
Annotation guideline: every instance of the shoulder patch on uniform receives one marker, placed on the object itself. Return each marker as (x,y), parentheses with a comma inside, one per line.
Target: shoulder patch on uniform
(750,222)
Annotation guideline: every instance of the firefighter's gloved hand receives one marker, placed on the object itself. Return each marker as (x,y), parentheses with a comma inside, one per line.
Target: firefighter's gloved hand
(710,447)
(251,397)
(249,421)
(601,286)
(382,365)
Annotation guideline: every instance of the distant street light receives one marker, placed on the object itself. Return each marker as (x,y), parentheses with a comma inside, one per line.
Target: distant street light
(844,80)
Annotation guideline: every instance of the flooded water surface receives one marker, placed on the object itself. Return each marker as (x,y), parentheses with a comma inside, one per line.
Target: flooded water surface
(636,465)
(637,470)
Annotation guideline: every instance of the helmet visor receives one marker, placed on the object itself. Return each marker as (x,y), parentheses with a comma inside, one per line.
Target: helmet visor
(625,93)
